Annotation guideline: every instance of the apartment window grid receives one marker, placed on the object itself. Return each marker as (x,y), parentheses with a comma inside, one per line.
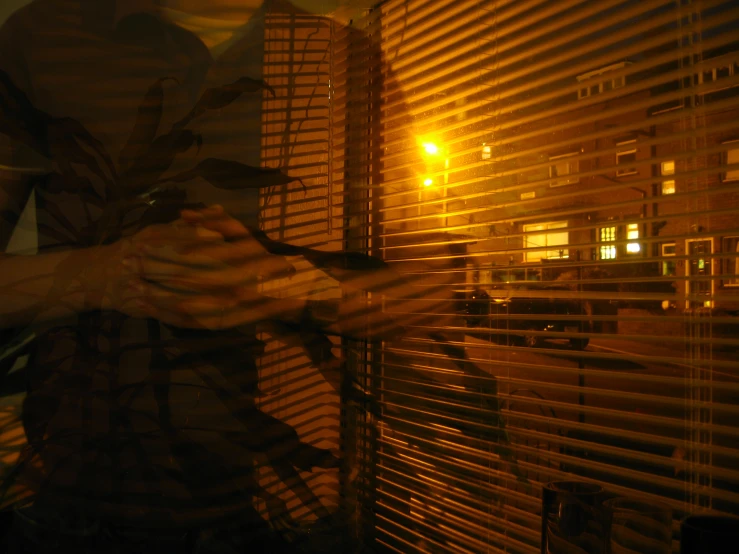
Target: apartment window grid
(607,251)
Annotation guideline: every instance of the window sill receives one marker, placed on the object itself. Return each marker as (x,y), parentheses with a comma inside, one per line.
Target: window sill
(554,185)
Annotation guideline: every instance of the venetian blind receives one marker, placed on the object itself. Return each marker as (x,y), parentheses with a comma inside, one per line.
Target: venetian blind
(560,181)
(297,137)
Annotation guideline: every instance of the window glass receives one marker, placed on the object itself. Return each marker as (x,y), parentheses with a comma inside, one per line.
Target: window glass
(607,251)
(732,157)
(562,167)
(730,248)
(669,267)
(626,157)
(553,243)
(632,234)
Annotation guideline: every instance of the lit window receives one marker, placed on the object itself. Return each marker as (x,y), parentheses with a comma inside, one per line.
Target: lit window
(731,156)
(730,268)
(669,267)
(668,168)
(626,156)
(549,240)
(632,234)
(607,251)
(562,166)
(487,152)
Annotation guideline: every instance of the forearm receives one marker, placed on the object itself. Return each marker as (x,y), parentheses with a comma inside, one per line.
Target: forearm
(34,289)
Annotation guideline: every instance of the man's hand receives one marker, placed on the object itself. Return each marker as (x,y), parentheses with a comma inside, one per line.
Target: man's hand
(194,275)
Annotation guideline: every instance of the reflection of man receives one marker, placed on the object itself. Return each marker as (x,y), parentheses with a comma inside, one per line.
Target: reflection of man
(136,415)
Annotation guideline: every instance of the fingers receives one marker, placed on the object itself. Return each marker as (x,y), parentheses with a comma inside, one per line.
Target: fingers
(187,275)
(215,219)
(222,310)
(174,235)
(212,265)
(241,247)
(175,308)
(189,257)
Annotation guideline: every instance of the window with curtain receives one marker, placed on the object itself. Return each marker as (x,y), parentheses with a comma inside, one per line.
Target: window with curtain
(546,236)
(483,405)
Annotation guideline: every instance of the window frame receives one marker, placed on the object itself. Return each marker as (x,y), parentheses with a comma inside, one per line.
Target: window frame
(530,232)
(556,180)
(586,90)
(732,69)
(630,228)
(607,244)
(712,272)
(729,176)
(631,170)
(668,182)
(727,262)
(664,255)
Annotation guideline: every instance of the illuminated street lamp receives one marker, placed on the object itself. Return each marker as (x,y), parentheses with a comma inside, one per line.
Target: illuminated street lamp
(433,152)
